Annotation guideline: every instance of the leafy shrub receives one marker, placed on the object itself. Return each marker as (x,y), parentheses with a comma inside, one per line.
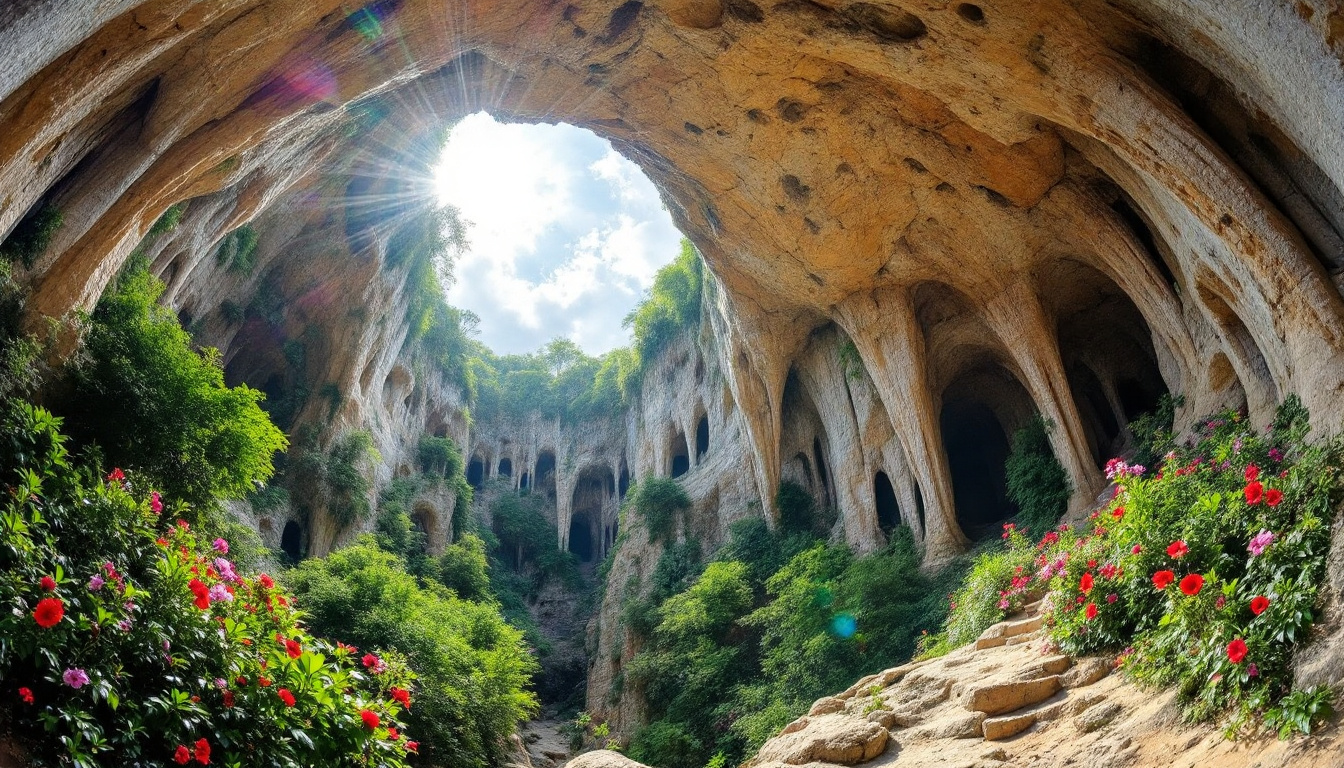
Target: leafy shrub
(1205,570)
(1153,435)
(673,304)
(347,485)
(659,501)
(29,240)
(232,312)
(168,221)
(463,566)
(521,526)
(472,667)
(130,641)
(238,250)
(440,456)
(150,402)
(796,507)
(1037,483)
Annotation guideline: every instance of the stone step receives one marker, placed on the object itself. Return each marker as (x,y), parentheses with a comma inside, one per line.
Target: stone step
(1003,632)
(998,698)
(1007,726)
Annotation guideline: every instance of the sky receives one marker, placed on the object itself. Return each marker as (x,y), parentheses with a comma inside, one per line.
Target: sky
(565,234)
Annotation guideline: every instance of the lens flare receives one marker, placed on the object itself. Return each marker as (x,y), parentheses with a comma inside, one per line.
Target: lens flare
(844,625)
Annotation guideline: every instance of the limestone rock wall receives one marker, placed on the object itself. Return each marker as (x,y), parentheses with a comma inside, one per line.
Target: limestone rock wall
(926,221)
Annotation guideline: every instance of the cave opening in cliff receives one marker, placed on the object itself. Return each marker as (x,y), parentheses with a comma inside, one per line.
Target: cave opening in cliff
(506,468)
(977,450)
(545,474)
(680,455)
(291,541)
(701,438)
(888,508)
(581,537)
(1107,350)
(476,472)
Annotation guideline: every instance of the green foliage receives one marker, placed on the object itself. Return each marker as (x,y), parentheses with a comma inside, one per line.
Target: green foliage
(1300,711)
(440,456)
(1037,482)
(173,644)
(733,653)
(672,306)
(238,250)
(850,360)
(332,394)
(150,402)
(995,586)
(168,221)
(1153,435)
(521,526)
(232,312)
(796,508)
(347,484)
(660,501)
(473,668)
(29,240)
(269,498)
(1169,569)
(463,566)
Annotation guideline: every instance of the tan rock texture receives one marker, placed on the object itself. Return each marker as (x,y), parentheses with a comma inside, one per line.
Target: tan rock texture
(926,223)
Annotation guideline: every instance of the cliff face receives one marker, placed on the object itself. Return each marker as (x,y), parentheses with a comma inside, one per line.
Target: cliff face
(926,222)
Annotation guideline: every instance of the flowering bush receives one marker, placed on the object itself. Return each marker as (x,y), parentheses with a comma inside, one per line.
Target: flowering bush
(1205,570)
(124,639)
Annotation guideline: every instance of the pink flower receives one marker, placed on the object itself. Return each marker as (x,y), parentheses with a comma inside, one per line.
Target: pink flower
(221,546)
(1111,598)
(1260,543)
(155,502)
(75,678)
(219,593)
(96,583)
(1137,549)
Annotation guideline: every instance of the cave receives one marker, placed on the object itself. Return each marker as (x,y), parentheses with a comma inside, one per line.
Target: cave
(1107,350)
(291,541)
(581,537)
(545,479)
(977,448)
(525,481)
(506,468)
(888,509)
(701,438)
(623,484)
(681,460)
(476,472)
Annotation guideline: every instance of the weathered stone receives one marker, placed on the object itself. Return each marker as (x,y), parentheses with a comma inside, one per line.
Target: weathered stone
(1006,697)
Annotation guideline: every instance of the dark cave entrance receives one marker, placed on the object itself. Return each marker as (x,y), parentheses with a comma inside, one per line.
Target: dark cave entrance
(581,537)
(681,459)
(888,509)
(291,541)
(476,472)
(506,468)
(544,479)
(701,438)
(977,448)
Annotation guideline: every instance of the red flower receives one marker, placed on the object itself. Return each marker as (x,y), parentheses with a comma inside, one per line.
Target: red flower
(1273,496)
(201,592)
(1258,604)
(1085,584)
(1163,579)
(1254,492)
(392,734)
(412,746)
(241,681)
(263,682)
(116,476)
(182,756)
(49,612)
(1252,473)
(228,698)
(1091,611)
(26,694)
(266,581)
(203,752)
(370,719)
(286,697)
(1178,549)
(48,583)
(1118,512)
(369,660)
(293,649)
(1236,651)
(1191,584)
(401,696)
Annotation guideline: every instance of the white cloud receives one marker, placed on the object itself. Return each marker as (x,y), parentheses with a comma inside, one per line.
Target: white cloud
(566,233)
